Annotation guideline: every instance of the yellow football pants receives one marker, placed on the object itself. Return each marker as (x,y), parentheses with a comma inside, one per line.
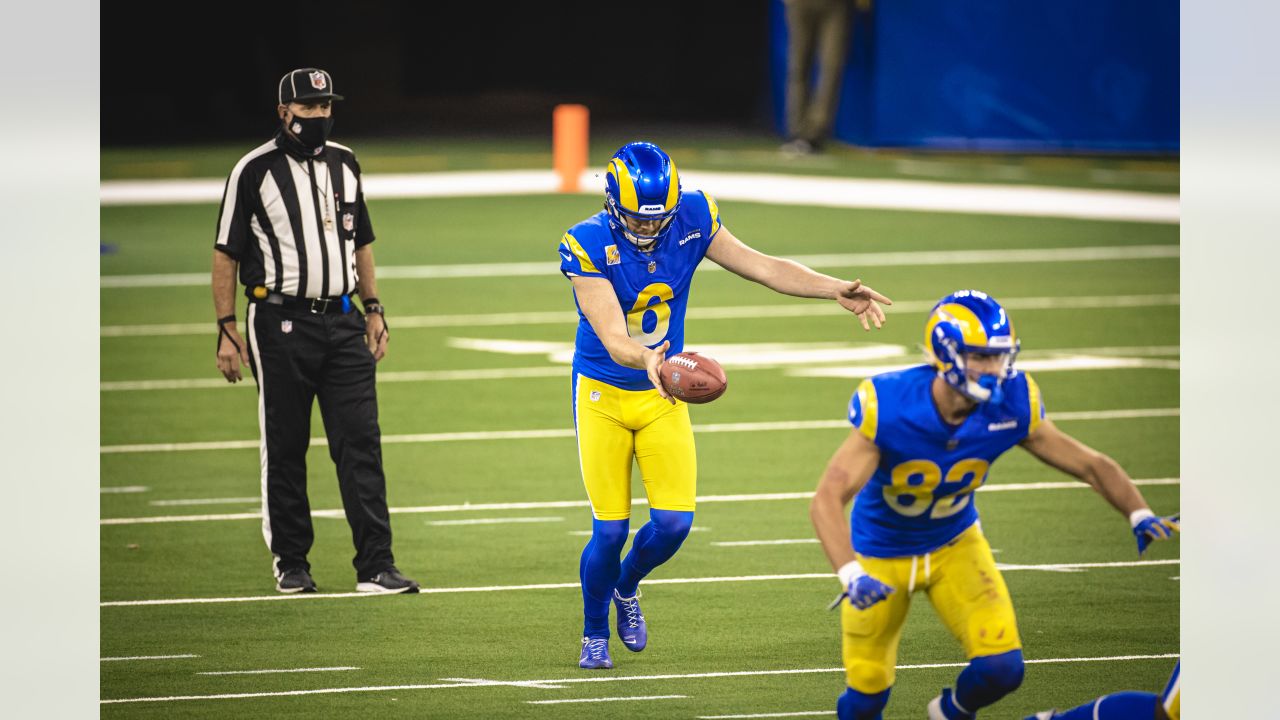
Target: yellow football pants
(616,425)
(966,590)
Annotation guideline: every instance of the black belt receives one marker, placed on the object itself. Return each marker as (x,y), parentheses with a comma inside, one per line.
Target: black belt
(336,305)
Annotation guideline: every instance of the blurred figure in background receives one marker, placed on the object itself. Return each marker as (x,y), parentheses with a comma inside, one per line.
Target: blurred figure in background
(818,27)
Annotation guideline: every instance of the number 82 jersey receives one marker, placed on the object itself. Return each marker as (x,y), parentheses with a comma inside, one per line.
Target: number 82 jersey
(652,287)
(920,497)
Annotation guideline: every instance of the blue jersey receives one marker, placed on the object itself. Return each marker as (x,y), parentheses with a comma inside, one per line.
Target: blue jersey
(921,494)
(652,287)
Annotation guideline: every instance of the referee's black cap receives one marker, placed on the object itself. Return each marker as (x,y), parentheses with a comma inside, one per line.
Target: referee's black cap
(306,85)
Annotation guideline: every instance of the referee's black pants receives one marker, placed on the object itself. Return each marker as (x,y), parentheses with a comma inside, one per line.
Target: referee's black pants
(297,357)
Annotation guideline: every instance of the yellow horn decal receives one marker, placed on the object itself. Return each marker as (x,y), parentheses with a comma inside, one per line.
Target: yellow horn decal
(673,190)
(626,186)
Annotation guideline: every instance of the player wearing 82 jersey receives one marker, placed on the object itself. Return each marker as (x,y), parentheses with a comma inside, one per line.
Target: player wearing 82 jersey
(922,443)
(631,266)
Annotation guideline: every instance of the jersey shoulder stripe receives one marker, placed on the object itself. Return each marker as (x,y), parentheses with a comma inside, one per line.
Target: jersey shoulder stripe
(1036,405)
(864,409)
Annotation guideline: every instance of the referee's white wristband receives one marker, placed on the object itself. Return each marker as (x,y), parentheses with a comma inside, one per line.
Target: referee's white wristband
(849,572)
(1138,516)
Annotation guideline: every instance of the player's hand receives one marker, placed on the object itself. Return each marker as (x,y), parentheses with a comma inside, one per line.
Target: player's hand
(1152,527)
(376,335)
(863,302)
(862,590)
(653,359)
(231,348)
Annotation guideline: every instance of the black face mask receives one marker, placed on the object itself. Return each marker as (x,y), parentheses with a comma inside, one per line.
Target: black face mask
(311,133)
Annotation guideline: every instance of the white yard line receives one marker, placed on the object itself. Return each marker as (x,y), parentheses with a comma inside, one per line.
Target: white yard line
(575,585)
(726,312)
(147,657)
(205,501)
(272,672)
(739,356)
(123,489)
(558,433)
(496,521)
(903,258)
(800,714)
(749,543)
(607,699)
(556,504)
(597,678)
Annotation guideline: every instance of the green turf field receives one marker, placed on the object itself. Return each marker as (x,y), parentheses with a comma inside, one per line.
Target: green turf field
(468,649)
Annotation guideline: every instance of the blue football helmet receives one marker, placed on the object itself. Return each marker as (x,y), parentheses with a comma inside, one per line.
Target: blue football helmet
(641,183)
(970,322)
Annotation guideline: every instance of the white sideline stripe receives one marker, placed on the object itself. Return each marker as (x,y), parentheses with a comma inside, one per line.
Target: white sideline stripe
(383,377)
(575,585)
(603,678)
(775,189)
(610,699)
(800,714)
(496,521)
(555,504)
(554,433)
(117,489)
(147,657)
(205,501)
(726,312)
(288,670)
(910,258)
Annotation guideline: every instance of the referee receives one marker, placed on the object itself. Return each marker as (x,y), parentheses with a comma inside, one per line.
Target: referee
(293,222)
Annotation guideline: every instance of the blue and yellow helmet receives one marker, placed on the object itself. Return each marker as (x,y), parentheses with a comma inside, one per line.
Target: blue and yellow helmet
(641,182)
(970,322)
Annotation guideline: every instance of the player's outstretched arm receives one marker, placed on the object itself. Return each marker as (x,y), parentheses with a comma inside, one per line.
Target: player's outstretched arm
(600,305)
(847,472)
(791,278)
(1060,450)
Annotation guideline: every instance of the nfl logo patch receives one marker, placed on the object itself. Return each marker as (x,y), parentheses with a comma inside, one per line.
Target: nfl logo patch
(348,221)
(611,256)
(317,80)
(286,326)
(595,396)
(653,265)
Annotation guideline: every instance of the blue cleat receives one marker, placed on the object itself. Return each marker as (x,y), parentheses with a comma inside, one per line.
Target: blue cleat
(632,629)
(595,654)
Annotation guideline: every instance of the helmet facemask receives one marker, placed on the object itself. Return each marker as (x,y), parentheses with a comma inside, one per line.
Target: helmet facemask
(641,183)
(968,325)
(643,242)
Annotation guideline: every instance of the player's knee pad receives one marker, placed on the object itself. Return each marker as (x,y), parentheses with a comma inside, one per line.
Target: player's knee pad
(1000,674)
(673,525)
(609,535)
(854,705)
(872,677)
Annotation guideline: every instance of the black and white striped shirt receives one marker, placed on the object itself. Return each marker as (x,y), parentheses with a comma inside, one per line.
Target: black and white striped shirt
(273,220)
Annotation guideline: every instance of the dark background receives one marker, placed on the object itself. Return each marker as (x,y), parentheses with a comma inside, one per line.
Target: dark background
(181,73)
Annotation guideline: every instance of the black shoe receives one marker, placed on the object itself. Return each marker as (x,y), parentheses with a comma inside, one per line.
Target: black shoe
(296,581)
(387,581)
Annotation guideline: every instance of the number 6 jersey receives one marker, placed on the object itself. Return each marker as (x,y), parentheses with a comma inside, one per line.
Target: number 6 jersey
(921,495)
(652,287)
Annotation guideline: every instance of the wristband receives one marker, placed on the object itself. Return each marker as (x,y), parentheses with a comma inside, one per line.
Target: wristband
(373,305)
(1138,516)
(849,572)
(222,332)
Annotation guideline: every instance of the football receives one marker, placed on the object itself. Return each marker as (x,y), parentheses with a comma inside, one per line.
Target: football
(693,378)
